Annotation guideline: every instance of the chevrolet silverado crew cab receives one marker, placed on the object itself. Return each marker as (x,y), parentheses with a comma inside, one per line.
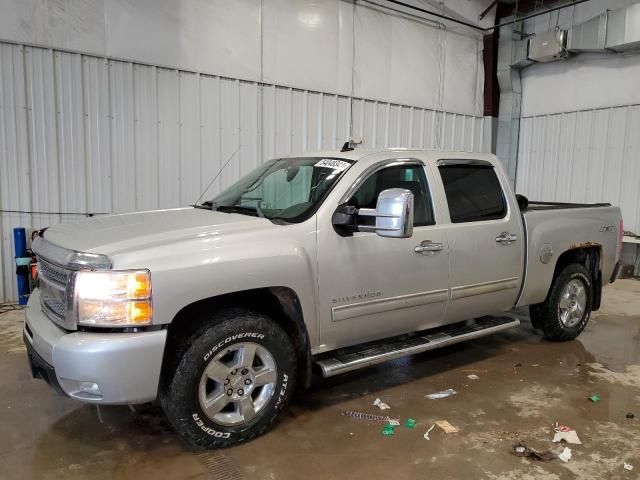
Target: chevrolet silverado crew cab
(314,264)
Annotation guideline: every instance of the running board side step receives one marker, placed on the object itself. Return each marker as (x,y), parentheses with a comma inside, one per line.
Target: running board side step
(367,354)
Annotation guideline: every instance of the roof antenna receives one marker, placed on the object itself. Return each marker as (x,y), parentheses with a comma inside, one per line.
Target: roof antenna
(351,144)
(218,174)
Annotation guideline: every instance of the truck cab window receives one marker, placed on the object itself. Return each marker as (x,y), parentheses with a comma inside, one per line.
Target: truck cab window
(473,193)
(408,177)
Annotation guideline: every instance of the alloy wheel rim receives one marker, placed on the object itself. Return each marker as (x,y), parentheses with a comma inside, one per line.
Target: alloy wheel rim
(573,302)
(237,384)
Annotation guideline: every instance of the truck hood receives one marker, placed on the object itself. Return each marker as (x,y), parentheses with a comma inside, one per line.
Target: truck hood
(114,234)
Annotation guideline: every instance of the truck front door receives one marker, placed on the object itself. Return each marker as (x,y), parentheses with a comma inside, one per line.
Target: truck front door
(373,287)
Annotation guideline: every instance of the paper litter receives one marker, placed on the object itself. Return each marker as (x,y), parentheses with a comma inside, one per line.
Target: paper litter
(426,435)
(380,404)
(568,434)
(565,455)
(443,394)
(446,426)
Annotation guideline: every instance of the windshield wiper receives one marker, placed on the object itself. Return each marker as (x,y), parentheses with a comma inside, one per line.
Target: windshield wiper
(242,209)
(208,205)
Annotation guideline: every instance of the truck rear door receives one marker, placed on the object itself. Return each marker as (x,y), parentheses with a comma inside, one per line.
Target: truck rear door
(486,241)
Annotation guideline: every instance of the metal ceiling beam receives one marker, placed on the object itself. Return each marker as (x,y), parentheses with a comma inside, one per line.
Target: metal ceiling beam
(476,27)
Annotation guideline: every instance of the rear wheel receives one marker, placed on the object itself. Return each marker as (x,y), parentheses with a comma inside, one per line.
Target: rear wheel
(233,380)
(566,311)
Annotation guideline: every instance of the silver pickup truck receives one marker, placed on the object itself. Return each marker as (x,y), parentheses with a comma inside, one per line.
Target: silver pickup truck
(315,264)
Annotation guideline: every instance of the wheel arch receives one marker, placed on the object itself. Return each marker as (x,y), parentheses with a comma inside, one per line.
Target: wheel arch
(281,304)
(591,257)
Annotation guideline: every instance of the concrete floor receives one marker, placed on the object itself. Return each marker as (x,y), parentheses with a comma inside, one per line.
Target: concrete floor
(525,385)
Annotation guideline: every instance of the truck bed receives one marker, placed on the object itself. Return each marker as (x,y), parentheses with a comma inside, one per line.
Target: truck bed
(561,227)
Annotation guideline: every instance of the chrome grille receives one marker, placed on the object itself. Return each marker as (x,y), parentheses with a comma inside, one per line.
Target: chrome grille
(53,273)
(53,306)
(52,281)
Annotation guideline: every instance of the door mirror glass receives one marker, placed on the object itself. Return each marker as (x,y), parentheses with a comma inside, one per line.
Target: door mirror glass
(393,214)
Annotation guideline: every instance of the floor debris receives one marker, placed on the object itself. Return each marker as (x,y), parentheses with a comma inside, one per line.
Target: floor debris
(595,398)
(426,435)
(627,466)
(473,376)
(365,416)
(446,426)
(521,449)
(565,455)
(380,404)
(388,430)
(410,423)
(443,394)
(568,434)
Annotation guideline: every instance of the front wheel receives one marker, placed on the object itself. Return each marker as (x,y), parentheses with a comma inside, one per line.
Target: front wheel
(566,311)
(233,381)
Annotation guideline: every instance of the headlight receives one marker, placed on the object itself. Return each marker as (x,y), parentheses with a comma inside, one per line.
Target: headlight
(113,298)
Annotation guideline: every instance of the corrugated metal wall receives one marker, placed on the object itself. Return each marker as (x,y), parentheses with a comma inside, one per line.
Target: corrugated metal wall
(86,134)
(585,156)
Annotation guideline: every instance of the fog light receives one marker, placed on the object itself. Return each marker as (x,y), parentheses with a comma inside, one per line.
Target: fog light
(90,388)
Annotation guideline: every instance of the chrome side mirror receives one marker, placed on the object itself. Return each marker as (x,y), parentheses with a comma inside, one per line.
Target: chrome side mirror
(393,213)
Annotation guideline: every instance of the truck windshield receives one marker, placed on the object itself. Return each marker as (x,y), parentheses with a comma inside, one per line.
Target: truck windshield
(286,189)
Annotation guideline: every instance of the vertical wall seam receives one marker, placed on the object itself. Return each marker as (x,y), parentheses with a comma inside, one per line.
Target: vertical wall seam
(59,123)
(136,121)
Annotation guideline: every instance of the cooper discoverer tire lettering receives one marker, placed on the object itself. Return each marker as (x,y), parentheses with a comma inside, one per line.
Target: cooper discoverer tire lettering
(233,380)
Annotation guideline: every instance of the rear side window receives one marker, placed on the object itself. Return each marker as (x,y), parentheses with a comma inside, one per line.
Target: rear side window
(473,193)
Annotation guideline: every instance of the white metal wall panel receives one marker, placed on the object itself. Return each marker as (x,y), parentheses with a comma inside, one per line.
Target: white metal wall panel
(587,156)
(168,135)
(97,134)
(87,134)
(210,145)
(145,110)
(383,125)
(123,166)
(303,41)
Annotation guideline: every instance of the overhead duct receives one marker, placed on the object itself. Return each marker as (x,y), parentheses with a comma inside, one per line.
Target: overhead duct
(614,30)
(623,29)
(511,57)
(590,36)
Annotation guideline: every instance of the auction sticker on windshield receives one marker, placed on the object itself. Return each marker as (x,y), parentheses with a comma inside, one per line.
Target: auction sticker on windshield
(337,165)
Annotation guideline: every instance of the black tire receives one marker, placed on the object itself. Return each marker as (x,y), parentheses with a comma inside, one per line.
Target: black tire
(546,316)
(180,394)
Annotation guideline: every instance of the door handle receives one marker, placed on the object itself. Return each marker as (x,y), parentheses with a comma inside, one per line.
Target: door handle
(506,238)
(428,247)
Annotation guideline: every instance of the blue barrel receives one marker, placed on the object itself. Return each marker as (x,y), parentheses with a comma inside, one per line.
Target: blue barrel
(22,268)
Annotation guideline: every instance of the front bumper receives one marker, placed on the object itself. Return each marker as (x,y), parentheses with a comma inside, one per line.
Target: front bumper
(104,368)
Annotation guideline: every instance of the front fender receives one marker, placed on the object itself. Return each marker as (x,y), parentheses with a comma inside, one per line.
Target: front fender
(201,268)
